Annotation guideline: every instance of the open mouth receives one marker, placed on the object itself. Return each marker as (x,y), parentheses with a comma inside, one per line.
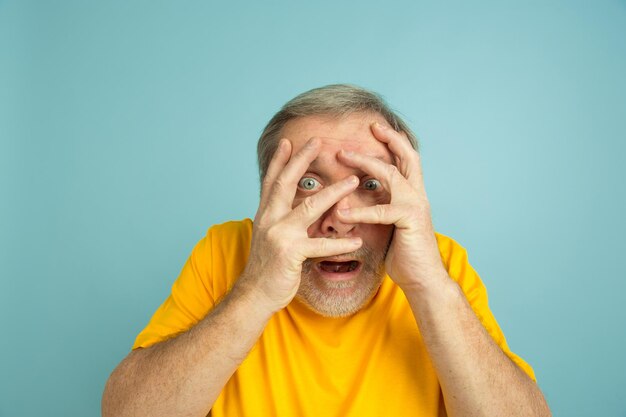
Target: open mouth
(338,267)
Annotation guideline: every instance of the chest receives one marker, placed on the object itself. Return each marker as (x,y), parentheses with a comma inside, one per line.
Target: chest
(370,365)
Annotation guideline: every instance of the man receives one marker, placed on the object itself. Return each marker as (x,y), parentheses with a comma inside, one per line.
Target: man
(340,299)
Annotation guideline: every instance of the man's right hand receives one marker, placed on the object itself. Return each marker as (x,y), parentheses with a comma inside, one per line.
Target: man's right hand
(280,243)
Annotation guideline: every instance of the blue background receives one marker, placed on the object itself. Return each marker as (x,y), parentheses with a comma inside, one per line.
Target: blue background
(129,127)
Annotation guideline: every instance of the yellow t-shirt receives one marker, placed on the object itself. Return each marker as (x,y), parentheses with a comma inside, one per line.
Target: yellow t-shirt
(373,363)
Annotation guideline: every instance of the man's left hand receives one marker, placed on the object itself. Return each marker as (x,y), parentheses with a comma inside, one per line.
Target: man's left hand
(413,260)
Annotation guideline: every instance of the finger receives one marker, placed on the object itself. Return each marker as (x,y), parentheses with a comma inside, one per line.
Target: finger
(379,214)
(398,143)
(277,164)
(312,207)
(322,247)
(387,174)
(285,186)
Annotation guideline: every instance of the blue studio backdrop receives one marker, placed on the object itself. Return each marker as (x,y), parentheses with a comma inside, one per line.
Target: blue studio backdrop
(127,128)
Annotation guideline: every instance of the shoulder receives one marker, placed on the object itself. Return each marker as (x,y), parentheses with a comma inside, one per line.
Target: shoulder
(227,236)
(449,249)
(224,251)
(456,261)
(231,230)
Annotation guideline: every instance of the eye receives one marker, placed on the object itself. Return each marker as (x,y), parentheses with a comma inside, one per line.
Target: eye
(372,185)
(308,183)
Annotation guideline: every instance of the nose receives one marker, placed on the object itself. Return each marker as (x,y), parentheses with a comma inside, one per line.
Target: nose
(331,226)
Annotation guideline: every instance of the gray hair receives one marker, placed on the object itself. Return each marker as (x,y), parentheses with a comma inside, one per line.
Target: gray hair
(334,100)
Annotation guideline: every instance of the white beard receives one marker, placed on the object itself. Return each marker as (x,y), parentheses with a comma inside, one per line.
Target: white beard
(342,298)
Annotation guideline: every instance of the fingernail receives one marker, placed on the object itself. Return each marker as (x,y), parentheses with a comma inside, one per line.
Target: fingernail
(348,153)
(312,143)
(380,126)
(356,241)
(343,212)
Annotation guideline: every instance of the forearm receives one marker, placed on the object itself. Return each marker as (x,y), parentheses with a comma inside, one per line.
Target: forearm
(183,376)
(476,377)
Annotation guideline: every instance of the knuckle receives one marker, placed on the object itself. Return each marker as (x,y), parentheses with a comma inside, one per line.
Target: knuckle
(414,157)
(267,183)
(323,245)
(381,210)
(279,184)
(280,188)
(392,171)
(261,214)
(309,204)
(302,154)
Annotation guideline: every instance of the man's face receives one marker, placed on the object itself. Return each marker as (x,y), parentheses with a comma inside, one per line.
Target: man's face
(341,285)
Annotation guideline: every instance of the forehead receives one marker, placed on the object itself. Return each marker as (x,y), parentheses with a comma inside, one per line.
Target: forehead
(351,132)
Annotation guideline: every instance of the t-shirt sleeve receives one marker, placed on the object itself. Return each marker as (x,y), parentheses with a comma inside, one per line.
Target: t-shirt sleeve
(190,300)
(456,261)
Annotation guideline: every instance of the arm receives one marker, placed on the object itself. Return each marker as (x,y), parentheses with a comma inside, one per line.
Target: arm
(183,376)
(476,377)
